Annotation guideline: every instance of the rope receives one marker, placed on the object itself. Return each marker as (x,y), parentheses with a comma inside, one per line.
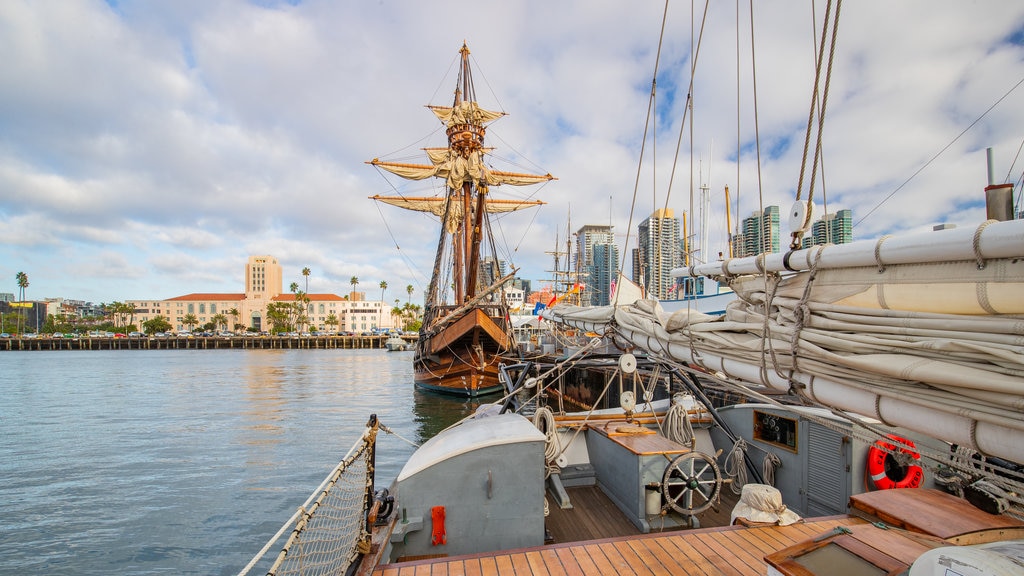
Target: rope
(769,465)
(544,420)
(736,466)
(678,427)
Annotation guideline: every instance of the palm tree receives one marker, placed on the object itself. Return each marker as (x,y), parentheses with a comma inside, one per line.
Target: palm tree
(408,290)
(234,314)
(294,287)
(221,321)
(380,315)
(354,281)
(22,279)
(190,320)
(306,272)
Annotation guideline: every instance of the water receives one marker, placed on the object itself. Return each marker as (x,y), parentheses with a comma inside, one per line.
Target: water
(185,461)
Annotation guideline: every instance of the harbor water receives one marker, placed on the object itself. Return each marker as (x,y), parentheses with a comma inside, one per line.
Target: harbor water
(185,461)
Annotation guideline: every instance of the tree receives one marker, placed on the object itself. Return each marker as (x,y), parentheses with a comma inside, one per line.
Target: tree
(122,313)
(190,320)
(158,324)
(332,320)
(380,315)
(220,320)
(235,314)
(293,287)
(279,316)
(306,273)
(22,279)
(408,290)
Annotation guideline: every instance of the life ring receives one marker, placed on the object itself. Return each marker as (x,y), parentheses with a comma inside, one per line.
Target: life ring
(885,472)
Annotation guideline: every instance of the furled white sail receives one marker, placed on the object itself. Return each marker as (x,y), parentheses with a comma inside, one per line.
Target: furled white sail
(436,206)
(823,334)
(464,112)
(456,170)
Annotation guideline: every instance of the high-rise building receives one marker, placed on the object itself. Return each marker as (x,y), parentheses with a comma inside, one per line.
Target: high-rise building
(587,238)
(760,234)
(605,272)
(491,270)
(832,228)
(659,252)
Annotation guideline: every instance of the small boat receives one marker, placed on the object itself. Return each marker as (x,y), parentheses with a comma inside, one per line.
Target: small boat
(397,344)
(465,327)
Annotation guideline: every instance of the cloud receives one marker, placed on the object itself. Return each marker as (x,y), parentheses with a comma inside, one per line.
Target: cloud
(146,150)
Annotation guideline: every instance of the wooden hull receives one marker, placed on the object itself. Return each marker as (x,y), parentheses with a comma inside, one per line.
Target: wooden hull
(462,358)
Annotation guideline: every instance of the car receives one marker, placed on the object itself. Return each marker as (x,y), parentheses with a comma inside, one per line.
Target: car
(119,335)
(135,334)
(225,334)
(4,335)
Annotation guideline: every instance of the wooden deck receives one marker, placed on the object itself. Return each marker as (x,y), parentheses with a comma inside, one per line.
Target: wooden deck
(733,550)
(594,517)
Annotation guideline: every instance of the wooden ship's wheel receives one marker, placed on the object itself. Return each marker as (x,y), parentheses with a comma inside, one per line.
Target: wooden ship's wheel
(691,483)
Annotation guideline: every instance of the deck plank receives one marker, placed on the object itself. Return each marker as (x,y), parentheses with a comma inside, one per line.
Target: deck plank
(730,551)
(568,562)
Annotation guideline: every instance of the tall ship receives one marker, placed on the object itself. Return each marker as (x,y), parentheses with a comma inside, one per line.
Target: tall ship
(465,327)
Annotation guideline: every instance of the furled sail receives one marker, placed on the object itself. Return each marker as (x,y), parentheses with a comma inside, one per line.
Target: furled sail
(457,170)
(466,112)
(436,206)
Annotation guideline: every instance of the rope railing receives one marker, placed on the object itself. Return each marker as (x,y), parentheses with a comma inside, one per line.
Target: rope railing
(329,531)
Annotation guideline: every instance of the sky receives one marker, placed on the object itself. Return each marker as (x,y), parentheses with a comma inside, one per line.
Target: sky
(147,149)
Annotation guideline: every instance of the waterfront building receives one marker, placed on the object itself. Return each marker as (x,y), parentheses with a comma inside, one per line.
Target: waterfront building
(249,310)
(832,228)
(595,284)
(658,253)
(760,233)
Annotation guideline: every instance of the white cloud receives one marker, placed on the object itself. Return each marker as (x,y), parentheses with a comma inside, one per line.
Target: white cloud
(147,150)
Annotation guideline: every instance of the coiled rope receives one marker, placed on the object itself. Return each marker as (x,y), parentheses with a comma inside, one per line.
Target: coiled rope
(544,420)
(769,465)
(736,466)
(678,427)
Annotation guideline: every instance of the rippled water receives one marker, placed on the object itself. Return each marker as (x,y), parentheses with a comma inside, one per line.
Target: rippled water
(185,461)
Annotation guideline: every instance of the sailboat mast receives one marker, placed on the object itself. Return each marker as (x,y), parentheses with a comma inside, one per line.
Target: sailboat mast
(465,140)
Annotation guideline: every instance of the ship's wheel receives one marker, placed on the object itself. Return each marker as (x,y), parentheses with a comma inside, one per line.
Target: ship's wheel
(691,483)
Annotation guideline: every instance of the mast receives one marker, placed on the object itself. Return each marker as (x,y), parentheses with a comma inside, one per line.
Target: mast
(464,207)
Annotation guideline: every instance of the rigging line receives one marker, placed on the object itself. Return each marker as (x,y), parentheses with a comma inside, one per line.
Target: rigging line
(757,130)
(689,102)
(532,165)
(405,259)
(821,114)
(480,71)
(739,146)
(1014,163)
(643,142)
(443,81)
(416,143)
(814,100)
(940,152)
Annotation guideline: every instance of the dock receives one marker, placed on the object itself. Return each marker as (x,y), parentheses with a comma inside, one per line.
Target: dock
(198,343)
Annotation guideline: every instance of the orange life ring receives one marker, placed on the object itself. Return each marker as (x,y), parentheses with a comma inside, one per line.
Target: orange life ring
(893,476)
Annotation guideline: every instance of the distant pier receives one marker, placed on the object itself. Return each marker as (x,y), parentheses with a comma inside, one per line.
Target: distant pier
(199,343)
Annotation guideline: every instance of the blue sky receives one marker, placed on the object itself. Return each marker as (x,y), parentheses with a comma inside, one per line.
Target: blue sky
(147,149)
